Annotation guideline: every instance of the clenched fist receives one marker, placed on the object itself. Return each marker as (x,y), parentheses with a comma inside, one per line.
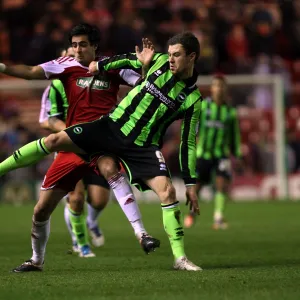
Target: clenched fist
(93,68)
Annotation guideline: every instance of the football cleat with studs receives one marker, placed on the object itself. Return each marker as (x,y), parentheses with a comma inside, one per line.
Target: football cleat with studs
(182,263)
(28,266)
(86,251)
(149,243)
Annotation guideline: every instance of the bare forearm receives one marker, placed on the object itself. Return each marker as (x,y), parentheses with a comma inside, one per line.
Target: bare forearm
(25,72)
(56,124)
(145,69)
(45,125)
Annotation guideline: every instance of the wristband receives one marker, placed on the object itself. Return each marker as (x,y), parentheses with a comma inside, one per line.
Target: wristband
(2,67)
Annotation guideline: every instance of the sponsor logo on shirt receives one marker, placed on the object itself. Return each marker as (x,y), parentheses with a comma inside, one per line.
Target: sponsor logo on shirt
(158,72)
(181,97)
(97,84)
(214,124)
(154,91)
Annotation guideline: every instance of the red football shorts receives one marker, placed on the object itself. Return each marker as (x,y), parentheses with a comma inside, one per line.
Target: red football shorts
(66,170)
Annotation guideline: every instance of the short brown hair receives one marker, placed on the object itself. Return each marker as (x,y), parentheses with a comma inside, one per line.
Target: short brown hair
(188,41)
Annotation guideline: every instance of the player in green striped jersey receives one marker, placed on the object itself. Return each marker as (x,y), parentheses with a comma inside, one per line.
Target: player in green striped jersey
(134,131)
(218,138)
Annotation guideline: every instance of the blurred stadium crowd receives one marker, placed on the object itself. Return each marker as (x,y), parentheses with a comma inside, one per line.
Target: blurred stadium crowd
(236,37)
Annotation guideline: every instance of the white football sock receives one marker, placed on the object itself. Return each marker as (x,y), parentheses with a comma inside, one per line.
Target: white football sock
(39,237)
(92,217)
(127,201)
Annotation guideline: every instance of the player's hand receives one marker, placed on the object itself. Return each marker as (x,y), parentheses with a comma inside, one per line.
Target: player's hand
(192,199)
(93,68)
(146,55)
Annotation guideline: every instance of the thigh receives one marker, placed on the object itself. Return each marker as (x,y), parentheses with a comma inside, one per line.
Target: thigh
(95,180)
(64,173)
(92,137)
(61,142)
(204,170)
(143,163)
(79,188)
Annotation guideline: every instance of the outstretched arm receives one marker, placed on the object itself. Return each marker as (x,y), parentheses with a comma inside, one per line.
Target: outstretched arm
(23,71)
(123,61)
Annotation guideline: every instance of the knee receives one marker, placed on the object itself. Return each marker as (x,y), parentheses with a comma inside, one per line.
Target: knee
(41,213)
(76,201)
(107,167)
(52,142)
(168,195)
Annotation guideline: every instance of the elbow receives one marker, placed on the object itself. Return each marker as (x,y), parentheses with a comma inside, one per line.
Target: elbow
(45,125)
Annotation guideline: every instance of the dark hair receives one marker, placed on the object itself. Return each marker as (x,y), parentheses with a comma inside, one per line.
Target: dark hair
(65,47)
(92,33)
(189,42)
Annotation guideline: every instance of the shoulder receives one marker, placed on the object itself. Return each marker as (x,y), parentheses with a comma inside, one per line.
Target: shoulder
(65,61)
(160,57)
(61,65)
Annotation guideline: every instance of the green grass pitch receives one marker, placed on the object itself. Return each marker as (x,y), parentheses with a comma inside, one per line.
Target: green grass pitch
(258,257)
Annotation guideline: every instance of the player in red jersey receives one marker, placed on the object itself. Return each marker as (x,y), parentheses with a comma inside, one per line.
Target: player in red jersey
(89,97)
(53,113)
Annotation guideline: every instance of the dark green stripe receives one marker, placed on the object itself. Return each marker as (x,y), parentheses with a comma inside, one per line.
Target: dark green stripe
(164,68)
(184,140)
(163,131)
(204,130)
(166,116)
(130,56)
(148,113)
(154,60)
(220,142)
(216,117)
(131,108)
(59,101)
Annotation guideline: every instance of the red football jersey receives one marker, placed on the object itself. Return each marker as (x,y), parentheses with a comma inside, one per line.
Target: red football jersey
(89,96)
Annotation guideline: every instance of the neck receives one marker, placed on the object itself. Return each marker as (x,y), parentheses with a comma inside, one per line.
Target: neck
(187,74)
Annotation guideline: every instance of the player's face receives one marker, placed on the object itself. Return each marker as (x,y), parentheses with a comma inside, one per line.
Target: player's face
(180,63)
(83,50)
(68,52)
(218,88)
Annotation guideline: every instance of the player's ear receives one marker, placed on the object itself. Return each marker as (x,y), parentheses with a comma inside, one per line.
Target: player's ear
(192,56)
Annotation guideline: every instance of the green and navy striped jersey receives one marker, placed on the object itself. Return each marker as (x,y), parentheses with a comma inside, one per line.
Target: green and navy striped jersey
(219,134)
(145,113)
(58,100)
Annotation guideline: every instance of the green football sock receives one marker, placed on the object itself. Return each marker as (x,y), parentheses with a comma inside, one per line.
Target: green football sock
(25,156)
(172,220)
(79,227)
(220,199)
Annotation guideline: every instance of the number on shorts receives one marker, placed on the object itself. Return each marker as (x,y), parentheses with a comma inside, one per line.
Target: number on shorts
(225,165)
